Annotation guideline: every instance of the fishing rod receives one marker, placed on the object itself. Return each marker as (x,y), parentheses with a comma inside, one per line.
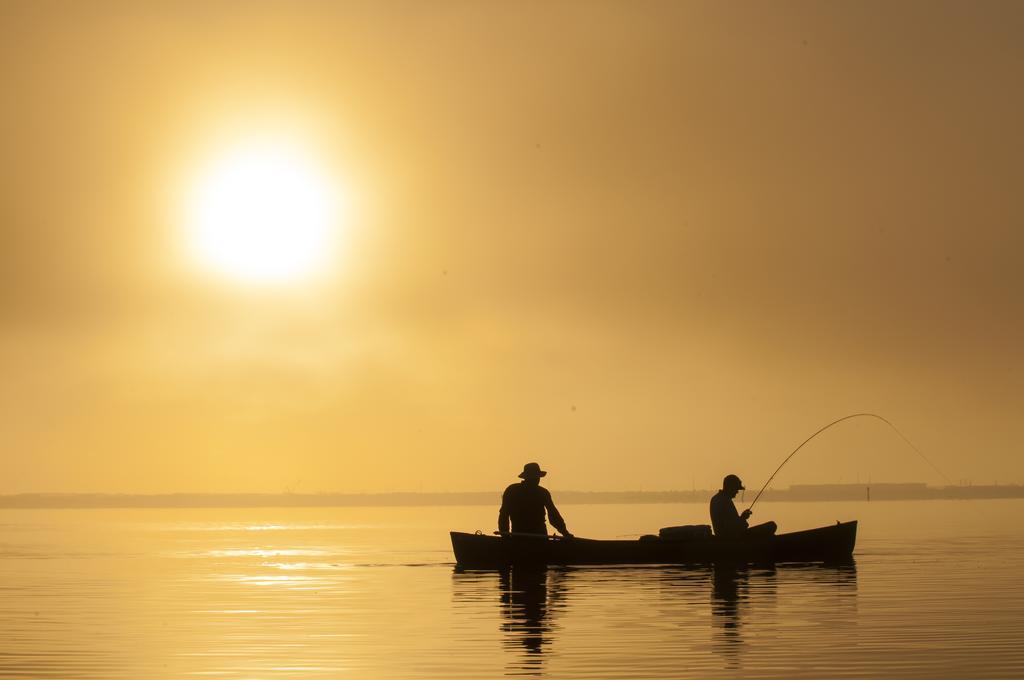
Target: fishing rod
(836,422)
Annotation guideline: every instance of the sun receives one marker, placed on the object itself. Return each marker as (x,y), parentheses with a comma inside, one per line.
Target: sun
(262,211)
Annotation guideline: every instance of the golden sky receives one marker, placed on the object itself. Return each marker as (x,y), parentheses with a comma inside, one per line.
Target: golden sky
(643,243)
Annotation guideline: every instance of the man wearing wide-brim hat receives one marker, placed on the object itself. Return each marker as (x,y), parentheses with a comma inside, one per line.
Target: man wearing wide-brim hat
(727,522)
(524,504)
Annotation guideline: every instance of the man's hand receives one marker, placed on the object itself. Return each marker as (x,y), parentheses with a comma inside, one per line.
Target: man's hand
(746,513)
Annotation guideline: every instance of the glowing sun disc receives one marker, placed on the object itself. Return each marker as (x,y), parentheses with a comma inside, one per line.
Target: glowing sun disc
(261,212)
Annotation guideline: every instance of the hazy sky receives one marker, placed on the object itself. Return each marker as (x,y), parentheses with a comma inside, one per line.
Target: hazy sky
(642,243)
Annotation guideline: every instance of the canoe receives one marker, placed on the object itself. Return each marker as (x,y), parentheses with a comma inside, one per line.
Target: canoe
(826,544)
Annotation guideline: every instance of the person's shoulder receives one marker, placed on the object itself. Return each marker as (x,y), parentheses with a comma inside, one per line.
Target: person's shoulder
(512,488)
(544,492)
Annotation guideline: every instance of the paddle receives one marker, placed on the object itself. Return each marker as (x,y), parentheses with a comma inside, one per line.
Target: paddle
(523,534)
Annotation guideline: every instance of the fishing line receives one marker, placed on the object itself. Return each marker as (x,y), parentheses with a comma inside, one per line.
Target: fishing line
(836,422)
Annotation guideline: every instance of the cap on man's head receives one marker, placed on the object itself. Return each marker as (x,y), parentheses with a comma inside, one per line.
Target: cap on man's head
(531,471)
(733,482)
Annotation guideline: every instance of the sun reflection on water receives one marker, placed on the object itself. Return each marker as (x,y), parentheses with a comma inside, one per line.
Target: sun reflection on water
(266,552)
(302,566)
(294,582)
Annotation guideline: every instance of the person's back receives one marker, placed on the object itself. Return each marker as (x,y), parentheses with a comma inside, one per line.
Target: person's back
(726,521)
(524,505)
(724,518)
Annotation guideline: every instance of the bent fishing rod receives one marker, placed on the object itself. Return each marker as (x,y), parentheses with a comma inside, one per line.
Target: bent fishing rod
(836,422)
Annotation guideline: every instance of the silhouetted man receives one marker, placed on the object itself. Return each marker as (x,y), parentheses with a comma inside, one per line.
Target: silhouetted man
(524,504)
(727,522)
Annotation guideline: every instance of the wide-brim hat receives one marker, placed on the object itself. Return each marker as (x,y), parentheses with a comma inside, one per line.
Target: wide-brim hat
(531,470)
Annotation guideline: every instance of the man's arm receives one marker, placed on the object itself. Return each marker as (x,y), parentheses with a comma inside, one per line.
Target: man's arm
(503,520)
(555,517)
(739,522)
(734,517)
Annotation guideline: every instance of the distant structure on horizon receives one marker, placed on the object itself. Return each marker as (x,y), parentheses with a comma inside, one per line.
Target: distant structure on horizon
(854,492)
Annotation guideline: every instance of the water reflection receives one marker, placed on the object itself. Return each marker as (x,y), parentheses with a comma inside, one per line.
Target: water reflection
(739,602)
(739,593)
(730,600)
(528,599)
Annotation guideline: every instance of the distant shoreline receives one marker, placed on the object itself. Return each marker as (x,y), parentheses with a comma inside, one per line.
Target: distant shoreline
(800,492)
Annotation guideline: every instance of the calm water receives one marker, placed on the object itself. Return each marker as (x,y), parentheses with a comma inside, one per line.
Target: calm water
(937,591)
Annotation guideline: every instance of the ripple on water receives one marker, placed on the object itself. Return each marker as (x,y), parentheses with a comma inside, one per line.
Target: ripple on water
(324,602)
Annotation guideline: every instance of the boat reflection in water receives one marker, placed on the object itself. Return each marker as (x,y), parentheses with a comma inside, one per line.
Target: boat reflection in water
(730,599)
(741,594)
(527,598)
(746,603)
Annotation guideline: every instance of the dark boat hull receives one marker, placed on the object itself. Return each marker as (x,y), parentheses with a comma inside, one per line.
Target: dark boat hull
(827,544)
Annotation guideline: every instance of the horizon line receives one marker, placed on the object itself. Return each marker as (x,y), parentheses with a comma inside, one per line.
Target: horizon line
(857,491)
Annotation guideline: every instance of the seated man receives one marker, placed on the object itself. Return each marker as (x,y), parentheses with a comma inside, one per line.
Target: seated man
(726,521)
(524,504)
